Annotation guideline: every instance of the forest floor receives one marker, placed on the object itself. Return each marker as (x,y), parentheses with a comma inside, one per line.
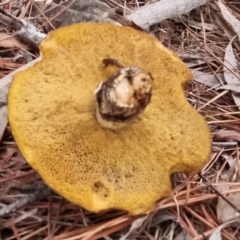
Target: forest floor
(206,206)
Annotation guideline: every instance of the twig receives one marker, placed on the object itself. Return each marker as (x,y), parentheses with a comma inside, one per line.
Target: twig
(40,194)
(161,10)
(26,32)
(225,144)
(7,18)
(218,193)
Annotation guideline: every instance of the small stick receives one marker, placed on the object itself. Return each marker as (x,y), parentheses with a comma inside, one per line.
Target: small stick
(25,31)
(39,194)
(10,20)
(218,193)
(225,144)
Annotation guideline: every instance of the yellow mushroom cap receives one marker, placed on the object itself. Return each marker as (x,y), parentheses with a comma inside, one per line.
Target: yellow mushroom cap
(52,113)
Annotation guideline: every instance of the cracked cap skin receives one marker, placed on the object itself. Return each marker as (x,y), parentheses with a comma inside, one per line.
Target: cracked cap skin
(52,114)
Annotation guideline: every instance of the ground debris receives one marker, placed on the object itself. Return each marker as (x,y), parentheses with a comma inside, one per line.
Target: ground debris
(203,39)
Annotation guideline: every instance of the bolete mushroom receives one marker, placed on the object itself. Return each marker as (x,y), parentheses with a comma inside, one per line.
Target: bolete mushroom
(102,117)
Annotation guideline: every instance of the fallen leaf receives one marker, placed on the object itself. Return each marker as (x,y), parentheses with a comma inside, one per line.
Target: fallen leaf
(195,63)
(231,161)
(206,78)
(162,216)
(231,172)
(227,136)
(232,87)
(183,235)
(221,22)
(135,225)
(26,55)
(48,2)
(3,119)
(230,66)
(225,212)
(9,41)
(231,77)
(217,233)
(232,21)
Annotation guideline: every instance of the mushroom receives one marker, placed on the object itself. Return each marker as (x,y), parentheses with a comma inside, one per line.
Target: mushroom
(102,117)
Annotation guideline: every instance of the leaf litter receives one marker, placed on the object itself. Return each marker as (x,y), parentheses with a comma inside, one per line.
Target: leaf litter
(230,18)
(9,41)
(227,136)
(192,212)
(231,74)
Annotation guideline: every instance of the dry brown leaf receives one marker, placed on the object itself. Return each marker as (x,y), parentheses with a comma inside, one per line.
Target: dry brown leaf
(195,63)
(183,235)
(232,164)
(206,78)
(221,22)
(232,21)
(48,2)
(225,212)
(162,216)
(232,87)
(9,41)
(135,225)
(3,120)
(230,71)
(227,136)
(230,63)
(216,235)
